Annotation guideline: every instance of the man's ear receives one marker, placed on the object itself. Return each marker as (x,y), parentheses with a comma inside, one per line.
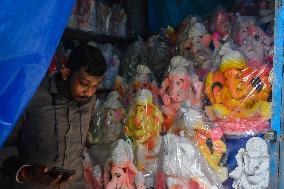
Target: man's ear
(65,73)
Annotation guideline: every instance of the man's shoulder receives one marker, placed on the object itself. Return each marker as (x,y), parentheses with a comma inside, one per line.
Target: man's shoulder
(42,95)
(44,88)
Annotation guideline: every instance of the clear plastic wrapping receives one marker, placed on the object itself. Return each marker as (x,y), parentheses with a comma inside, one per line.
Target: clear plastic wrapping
(110,19)
(191,123)
(142,79)
(120,86)
(221,27)
(111,55)
(239,95)
(160,51)
(99,16)
(182,166)
(108,122)
(253,42)
(182,41)
(193,43)
(179,86)
(103,14)
(118,21)
(202,128)
(142,128)
(92,174)
(86,15)
(83,15)
(120,171)
(106,128)
(135,54)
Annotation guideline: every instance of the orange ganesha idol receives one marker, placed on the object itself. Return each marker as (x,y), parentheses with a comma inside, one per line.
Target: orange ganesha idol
(238,95)
(142,127)
(179,87)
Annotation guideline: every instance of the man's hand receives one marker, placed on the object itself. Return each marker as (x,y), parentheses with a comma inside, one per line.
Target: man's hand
(41,174)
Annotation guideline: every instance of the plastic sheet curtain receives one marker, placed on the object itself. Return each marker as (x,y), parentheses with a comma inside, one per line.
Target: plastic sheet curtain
(30,31)
(162,13)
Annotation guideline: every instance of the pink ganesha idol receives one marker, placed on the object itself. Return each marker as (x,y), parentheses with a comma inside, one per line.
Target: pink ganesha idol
(254,43)
(120,171)
(179,86)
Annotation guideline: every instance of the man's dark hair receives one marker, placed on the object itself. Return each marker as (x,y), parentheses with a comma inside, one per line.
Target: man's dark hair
(88,58)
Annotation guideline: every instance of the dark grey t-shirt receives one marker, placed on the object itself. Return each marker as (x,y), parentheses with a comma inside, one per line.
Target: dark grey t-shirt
(54,134)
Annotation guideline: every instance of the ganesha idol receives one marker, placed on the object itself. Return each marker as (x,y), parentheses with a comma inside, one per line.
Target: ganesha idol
(190,123)
(183,167)
(142,127)
(253,166)
(178,87)
(222,27)
(192,32)
(120,171)
(143,79)
(193,44)
(238,95)
(253,42)
(108,124)
(200,52)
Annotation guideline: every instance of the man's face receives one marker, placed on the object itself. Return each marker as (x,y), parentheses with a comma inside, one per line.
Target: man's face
(83,86)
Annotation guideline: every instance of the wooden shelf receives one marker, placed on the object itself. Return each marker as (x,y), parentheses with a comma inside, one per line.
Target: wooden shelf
(84,36)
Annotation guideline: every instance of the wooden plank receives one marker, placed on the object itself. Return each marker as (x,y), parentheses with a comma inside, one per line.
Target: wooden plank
(84,36)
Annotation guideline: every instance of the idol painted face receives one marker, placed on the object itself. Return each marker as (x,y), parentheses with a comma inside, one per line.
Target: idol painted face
(141,118)
(83,86)
(178,86)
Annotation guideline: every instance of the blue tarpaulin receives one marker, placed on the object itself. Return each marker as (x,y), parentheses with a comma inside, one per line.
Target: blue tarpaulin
(30,31)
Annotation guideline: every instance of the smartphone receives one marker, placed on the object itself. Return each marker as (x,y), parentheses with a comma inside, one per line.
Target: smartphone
(56,171)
